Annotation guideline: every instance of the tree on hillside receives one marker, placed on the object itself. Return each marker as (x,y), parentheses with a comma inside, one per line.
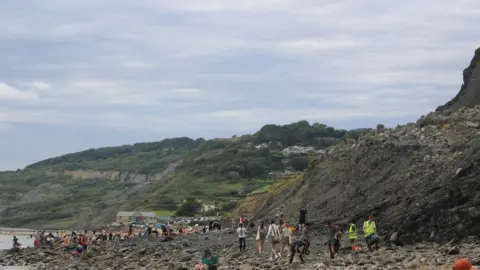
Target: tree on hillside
(299,163)
(299,133)
(189,208)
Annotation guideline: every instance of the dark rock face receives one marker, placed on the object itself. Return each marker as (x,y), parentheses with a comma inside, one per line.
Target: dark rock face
(422,177)
(469,94)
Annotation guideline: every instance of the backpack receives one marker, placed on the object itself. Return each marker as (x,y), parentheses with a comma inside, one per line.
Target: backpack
(275,235)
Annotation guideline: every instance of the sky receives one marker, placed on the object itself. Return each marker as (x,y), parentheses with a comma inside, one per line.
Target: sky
(81,74)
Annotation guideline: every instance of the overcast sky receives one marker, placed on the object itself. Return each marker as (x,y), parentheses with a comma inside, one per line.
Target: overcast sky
(79,74)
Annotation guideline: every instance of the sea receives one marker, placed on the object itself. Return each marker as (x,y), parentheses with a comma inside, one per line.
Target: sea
(6,242)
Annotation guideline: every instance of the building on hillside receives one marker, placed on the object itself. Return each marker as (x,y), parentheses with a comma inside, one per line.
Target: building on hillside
(261,146)
(136,217)
(207,207)
(298,150)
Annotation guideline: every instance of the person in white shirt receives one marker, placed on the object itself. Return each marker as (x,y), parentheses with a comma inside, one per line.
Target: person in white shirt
(242,235)
(274,235)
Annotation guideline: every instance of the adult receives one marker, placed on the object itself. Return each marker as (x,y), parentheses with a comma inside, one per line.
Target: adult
(261,235)
(84,242)
(242,235)
(273,235)
(295,249)
(16,244)
(208,262)
(241,220)
(370,230)
(302,218)
(352,233)
(334,233)
(306,239)
(395,239)
(130,230)
(286,238)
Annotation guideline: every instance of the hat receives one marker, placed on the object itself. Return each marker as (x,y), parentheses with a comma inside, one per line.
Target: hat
(464,264)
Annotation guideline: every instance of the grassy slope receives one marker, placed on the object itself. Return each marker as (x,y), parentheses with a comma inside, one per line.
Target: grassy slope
(41,195)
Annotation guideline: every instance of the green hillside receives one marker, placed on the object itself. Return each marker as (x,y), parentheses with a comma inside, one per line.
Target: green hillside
(88,188)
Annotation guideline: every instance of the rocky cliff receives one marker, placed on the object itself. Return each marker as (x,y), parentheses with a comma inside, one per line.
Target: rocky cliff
(422,176)
(469,94)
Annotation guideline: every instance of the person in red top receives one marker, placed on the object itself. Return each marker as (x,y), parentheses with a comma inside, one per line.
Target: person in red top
(242,219)
(83,242)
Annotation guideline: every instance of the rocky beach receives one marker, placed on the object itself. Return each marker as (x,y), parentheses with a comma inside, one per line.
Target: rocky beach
(184,252)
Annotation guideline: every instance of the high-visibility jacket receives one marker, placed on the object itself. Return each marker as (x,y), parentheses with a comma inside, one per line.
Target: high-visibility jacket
(369,228)
(352,232)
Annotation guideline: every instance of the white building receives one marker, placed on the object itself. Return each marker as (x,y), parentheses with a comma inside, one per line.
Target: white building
(261,146)
(207,207)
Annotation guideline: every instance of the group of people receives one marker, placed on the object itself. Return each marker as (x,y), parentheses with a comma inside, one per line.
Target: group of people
(280,235)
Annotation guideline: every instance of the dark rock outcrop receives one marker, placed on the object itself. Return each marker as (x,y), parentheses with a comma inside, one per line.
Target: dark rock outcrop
(469,94)
(422,177)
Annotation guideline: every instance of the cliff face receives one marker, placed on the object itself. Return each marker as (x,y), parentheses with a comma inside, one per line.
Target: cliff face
(423,177)
(469,94)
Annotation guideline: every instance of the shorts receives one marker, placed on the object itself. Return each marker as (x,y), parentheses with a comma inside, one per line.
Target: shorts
(274,241)
(302,221)
(286,240)
(335,246)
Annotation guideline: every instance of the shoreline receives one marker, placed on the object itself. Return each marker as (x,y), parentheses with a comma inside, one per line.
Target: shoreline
(17,231)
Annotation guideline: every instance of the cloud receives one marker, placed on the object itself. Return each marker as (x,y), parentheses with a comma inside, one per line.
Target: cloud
(38,85)
(9,93)
(201,68)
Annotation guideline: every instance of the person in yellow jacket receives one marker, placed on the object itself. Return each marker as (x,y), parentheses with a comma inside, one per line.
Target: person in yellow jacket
(370,232)
(352,233)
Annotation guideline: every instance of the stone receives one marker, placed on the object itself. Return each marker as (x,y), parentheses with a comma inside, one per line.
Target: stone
(471,124)
(246,267)
(453,250)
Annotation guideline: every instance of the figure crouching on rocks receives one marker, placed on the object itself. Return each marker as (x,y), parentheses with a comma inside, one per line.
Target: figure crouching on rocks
(16,244)
(208,262)
(295,249)
(306,238)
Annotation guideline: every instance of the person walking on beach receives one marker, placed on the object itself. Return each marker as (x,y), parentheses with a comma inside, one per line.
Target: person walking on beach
(370,231)
(352,233)
(286,238)
(334,233)
(261,235)
(273,235)
(242,235)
